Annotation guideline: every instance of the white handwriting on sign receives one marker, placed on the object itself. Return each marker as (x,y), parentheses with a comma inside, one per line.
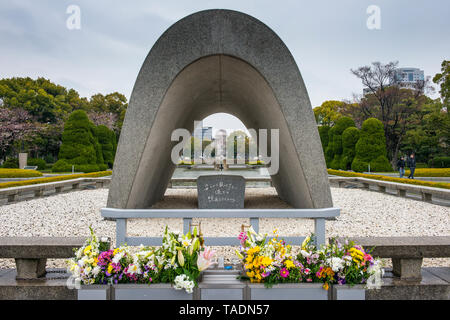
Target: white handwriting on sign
(220,199)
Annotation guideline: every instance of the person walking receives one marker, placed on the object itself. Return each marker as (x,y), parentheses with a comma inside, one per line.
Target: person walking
(411,166)
(401,166)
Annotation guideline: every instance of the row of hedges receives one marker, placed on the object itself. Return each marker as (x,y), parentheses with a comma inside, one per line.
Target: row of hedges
(19,173)
(13,163)
(345,146)
(439,162)
(64,166)
(430,172)
(390,179)
(54,179)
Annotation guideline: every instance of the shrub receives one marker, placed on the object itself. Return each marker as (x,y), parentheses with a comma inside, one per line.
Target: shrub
(421,165)
(79,145)
(86,168)
(54,179)
(323,133)
(380,164)
(49,159)
(11,163)
(334,148)
(391,179)
(40,163)
(350,137)
(371,148)
(430,172)
(439,162)
(62,166)
(19,173)
(107,141)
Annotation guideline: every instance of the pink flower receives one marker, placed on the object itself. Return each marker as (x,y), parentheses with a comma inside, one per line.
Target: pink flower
(204,260)
(284,273)
(242,237)
(307,271)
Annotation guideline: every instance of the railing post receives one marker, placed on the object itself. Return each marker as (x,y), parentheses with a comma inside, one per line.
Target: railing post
(186,225)
(319,230)
(255,224)
(121,231)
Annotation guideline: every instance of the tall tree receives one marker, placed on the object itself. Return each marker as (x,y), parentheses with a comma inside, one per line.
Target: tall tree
(328,112)
(443,79)
(390,103)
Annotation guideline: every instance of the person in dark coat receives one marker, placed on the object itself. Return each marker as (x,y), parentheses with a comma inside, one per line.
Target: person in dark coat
(411,166)
(401,166)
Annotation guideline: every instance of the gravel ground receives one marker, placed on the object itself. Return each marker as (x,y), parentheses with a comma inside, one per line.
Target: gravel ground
(363,213)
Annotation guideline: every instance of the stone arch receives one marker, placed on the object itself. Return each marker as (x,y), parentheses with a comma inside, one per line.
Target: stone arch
(218,61)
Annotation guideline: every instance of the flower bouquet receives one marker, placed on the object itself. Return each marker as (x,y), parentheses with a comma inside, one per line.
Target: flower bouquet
(178,261)
(273,262)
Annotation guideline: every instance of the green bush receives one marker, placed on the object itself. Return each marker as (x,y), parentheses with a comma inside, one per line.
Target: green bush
(380,164)
(40,163)
(49,159)
(61,166)
(86,168)
(333,152)
(11,163)
(350,137)
(439,162)
(323,133)
(80,145)
(421,165)
(371,148)
(107,140)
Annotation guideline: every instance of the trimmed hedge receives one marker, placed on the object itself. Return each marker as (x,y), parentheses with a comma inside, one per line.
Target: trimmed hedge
(19,173)
(40,163)
(63,166)
(439,162)
(323,133)
(80,146)
(371,148)
(430,172)
(333,153)
(350,137)
(390,179)
(54,179)
(107,140)
(11,163)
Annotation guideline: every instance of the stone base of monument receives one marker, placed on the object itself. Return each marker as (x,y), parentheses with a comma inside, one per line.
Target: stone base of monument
(53,286)
(347,292)
(94,292)
(219,284)
(434,285)
(157,291)
(287,291)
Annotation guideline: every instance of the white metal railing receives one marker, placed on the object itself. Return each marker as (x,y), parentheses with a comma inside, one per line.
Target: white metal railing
(121,216)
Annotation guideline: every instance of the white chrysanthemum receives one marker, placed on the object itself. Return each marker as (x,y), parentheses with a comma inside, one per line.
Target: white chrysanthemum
(335,263)
(305,254)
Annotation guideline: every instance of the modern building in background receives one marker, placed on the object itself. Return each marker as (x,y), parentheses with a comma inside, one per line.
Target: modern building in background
(409,75)
(405,77)
(202,133)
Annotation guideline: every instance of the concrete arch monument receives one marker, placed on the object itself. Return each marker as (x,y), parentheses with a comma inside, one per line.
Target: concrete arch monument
(218,61)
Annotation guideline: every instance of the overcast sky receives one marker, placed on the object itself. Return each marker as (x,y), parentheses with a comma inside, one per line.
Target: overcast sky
(326,38)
